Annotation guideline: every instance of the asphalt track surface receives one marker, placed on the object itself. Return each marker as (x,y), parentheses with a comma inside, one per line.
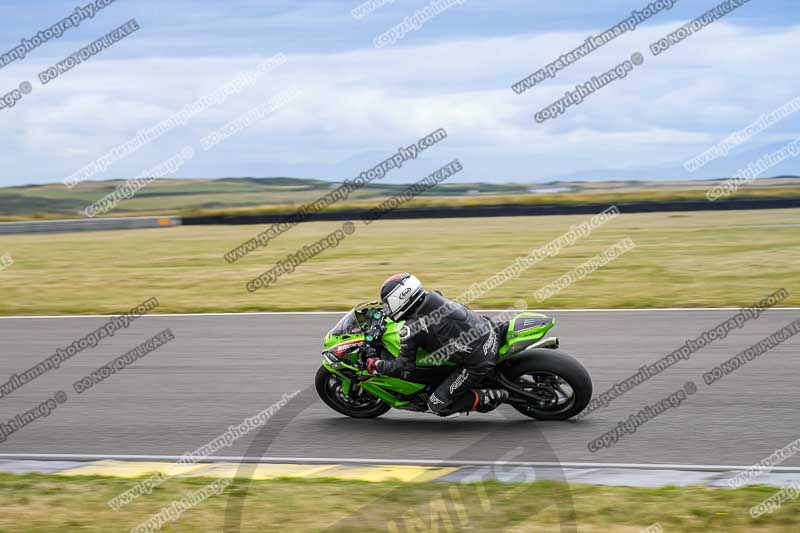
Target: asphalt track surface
(221,369)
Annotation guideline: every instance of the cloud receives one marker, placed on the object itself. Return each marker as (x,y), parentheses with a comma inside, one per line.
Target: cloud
(367,100)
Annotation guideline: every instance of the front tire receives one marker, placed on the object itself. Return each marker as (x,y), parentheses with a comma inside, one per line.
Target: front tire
(554,373)
(358,404)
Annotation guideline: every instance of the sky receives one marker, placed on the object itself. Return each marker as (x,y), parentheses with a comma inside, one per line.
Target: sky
(357,103)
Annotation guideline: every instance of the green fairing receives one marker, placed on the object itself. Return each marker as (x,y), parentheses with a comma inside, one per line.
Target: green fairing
(383,395)
(518,338)
(385,387)
(381,386)
(391,340)
(396,384)
(334,340)
(377,386)
(346,381)
(391,337)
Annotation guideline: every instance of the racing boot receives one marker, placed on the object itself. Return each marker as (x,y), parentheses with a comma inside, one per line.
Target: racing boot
(488,399)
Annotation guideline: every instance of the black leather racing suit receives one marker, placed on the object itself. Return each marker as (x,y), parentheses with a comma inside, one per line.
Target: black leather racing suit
(448,331)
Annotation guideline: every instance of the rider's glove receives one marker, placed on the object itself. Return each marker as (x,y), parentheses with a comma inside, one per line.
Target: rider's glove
(373,366)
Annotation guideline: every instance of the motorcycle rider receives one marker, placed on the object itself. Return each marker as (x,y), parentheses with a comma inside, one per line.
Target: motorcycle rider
(449,331)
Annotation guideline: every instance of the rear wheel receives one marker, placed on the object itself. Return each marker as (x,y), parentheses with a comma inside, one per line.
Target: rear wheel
(358,404)
(559,378)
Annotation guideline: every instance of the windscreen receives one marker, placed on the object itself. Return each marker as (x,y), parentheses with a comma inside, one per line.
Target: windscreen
(346,325)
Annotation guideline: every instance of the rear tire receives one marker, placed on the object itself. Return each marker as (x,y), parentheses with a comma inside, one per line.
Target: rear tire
(541,365)
(329,388)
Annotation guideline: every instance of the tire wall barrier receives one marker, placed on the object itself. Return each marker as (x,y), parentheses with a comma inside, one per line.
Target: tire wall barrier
(505,210)
(470,211)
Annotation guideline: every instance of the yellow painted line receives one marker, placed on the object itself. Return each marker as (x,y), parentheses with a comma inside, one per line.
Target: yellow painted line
(260,471)
(129,469)
(376,473)
(372,473)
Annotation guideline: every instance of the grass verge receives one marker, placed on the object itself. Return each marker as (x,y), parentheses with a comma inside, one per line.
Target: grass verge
(47,503)
(697,259)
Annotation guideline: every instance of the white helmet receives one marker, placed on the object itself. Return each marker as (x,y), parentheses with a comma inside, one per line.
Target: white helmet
(401,293)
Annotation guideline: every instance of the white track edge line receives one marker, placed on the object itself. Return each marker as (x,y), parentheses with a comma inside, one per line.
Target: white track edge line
(411,462)
(258,313)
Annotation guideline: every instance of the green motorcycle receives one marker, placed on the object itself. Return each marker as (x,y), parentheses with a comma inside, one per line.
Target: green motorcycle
(543,383)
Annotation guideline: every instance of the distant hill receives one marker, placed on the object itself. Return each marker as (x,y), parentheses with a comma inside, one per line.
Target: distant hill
(277,194)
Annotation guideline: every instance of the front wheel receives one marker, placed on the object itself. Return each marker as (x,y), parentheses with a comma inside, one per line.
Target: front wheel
(553,375)
(358,404)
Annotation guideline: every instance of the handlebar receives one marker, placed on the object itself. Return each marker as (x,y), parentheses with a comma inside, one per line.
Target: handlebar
(376,327)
